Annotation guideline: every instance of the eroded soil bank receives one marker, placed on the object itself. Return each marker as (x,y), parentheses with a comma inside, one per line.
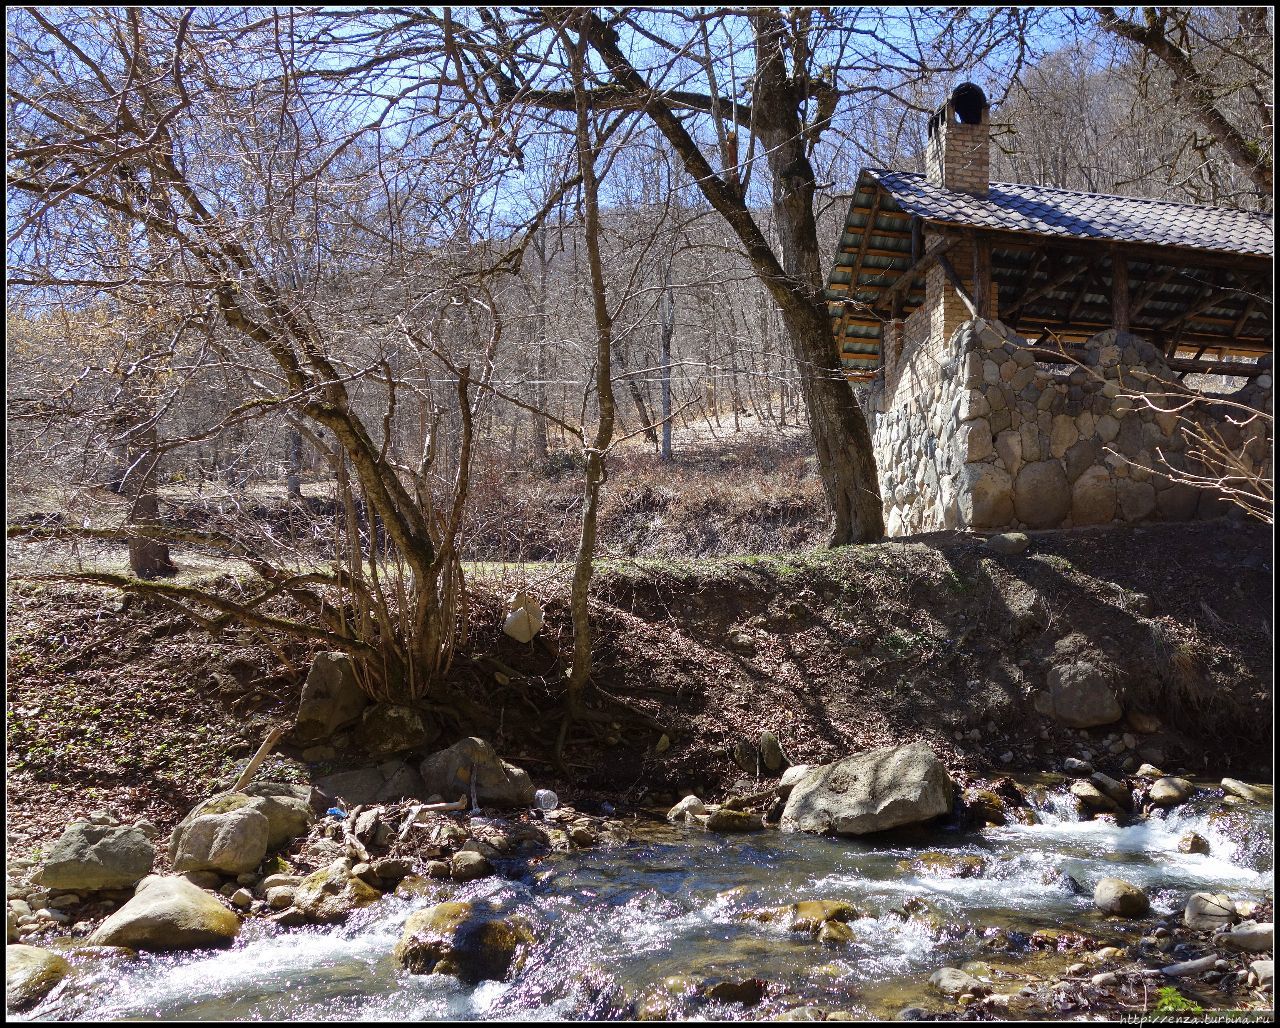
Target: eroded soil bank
(122,705)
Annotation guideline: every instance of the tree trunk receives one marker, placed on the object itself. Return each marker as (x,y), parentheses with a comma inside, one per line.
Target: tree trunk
(147,557)
(839,428)
(294,480)
(841,437)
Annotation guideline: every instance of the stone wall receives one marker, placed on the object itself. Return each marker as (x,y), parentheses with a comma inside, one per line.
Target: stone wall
(975,434)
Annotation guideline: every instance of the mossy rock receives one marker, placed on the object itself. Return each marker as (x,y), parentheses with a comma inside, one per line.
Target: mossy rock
(30,974)
(329,896)
(944,865)
(459,940)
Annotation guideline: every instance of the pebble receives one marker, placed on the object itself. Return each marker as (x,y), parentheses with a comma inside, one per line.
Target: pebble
(242,899)
(1106,978)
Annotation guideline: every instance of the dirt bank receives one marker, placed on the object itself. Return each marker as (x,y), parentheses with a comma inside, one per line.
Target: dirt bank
(129,707)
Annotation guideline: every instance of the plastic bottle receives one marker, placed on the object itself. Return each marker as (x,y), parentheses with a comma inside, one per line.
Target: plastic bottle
(545,799)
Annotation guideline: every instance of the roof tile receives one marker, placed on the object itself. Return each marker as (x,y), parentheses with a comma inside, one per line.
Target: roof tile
(1064,212)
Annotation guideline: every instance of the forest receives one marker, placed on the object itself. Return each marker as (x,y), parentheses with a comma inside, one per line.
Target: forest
(329,329)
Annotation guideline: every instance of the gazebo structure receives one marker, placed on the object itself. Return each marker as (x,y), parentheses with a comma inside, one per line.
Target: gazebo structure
(1081,289)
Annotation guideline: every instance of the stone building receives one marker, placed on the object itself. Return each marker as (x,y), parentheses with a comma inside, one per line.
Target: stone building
(1030,356)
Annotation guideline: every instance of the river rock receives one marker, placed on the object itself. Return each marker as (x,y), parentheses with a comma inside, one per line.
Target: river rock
(748,992)
(687,809)
(1120,898)
(1193,842)
(286,807)
(1117,792)
(390,728)
(734,821)
(464,941)
(1206,911)
(1077,768)
(168,913)
(385,783)
(871,792)
(1252,938)
(329,896)
(771,753)
(790,777)
(467,865)
(1149,771)
(1264,972)
(331,698)
(1081,696)
(951,981)
(1093,798)
(1169,792)
(90,857)
(225,833)
(30,973)
(451,774)
(1235,787)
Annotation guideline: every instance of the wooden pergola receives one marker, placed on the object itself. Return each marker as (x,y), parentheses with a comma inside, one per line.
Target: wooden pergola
(1207,308)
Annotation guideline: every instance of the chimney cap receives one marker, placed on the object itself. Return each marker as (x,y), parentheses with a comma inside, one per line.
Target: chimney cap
(969,101)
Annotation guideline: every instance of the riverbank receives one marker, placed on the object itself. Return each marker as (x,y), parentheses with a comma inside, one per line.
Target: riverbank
(117,704)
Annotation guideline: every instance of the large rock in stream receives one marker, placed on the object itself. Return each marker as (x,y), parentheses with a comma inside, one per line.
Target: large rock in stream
(29,975)
(871,792)
(168,913)
(463,940)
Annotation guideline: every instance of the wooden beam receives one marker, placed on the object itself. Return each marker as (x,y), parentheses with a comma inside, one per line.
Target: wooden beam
(1245,315)
(1149,290)
(910,274)
(982,274)
(1057,281)
(1077,301)
(1119,290)
(1146,253)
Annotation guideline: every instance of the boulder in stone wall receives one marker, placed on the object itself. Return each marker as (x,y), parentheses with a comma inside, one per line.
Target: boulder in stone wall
(1137,499)
(168,913)
(1081,456)
(973,440)
(1106,427)
(1009,447)
(1093,498)
(1178,502)
(1041,494)
(1063,435)
(1081,696)
(90,857)
(985,496)
(870,792)
(473,763)
(331,698)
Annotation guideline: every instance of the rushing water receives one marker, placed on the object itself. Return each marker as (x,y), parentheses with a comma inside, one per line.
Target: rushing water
(613,922)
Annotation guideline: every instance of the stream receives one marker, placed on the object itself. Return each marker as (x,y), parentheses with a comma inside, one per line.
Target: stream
(613,924)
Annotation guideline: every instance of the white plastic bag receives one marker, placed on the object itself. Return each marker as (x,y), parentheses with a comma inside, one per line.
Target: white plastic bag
(525,617)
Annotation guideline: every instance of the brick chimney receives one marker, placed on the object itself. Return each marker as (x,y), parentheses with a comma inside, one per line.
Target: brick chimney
(959,151)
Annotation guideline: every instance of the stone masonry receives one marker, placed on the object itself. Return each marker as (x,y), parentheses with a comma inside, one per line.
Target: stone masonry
(973,433)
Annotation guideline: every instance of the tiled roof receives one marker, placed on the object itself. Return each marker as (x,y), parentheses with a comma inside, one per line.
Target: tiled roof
(1064,212)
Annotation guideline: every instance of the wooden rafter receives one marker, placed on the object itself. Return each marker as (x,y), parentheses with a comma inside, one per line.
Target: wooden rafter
(1057,281)
(909,275)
